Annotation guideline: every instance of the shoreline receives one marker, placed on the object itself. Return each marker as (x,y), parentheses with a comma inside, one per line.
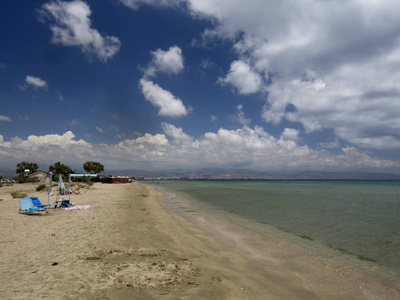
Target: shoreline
(131,245)
(315,264)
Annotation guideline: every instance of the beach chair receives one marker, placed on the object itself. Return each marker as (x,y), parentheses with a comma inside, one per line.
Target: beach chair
(36,202)
(27,206)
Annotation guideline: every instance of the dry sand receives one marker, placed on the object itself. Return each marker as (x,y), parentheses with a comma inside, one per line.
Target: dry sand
(130,245)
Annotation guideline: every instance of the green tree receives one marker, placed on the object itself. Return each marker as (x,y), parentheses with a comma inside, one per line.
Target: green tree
(62,169)
(22,166)
(93,167)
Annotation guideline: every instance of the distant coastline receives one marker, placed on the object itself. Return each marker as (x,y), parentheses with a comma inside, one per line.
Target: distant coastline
(232,174)
(238,174)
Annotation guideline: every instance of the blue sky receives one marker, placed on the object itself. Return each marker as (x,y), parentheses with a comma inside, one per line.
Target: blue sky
(188,84)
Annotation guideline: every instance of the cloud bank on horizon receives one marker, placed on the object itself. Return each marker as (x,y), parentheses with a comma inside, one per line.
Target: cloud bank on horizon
(300,85)
(242,148)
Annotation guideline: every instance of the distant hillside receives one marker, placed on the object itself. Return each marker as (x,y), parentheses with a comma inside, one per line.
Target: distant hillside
(8,173)
(248,174)
(238,174)
(346,175)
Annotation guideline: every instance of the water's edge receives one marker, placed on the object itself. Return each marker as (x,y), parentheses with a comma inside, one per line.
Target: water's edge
(235,234)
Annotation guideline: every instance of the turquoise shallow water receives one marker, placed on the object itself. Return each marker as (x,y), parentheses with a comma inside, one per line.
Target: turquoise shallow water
(360,218)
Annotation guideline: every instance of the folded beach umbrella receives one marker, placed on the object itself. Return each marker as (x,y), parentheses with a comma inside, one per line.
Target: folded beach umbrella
(61,187)
(50,183)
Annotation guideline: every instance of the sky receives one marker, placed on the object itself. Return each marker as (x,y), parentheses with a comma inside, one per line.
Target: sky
(272,86)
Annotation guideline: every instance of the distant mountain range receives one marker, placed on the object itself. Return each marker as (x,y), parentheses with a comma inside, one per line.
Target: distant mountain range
(248,174)
(8,172)
(219,174)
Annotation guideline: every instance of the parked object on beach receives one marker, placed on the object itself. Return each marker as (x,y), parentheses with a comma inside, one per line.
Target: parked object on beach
(64,202)
(36,202)
(79,207)
(27,206)
(117,180)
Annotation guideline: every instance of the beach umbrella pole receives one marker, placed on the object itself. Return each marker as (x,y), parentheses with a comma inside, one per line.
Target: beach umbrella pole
(48,193)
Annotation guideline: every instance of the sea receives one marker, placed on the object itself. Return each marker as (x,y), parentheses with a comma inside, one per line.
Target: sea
(360,219)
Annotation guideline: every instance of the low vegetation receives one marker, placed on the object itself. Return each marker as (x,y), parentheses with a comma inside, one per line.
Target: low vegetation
(23,179)
(18,194)
(40,187)
(79,186)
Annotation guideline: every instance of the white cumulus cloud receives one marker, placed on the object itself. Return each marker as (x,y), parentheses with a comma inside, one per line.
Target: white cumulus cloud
(72,27)
(240,116)
(168,104)
(290,134)
(243,78)
(170,61)
(36,82)
(4,118)
(333,63)
(176,133)
(324,64)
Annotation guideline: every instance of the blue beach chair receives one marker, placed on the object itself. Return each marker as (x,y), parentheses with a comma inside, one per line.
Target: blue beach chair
(36,202)
(27,206)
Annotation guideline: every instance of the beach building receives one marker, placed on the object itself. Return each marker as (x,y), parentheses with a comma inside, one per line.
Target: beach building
(112,179)
(39,176)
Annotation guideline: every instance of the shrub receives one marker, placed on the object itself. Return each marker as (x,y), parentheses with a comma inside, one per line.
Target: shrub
(23,179)
(77,179)
(18,194)
(40,187)
(79,186)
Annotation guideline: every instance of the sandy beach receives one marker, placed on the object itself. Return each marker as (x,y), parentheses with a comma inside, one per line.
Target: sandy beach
(131,244)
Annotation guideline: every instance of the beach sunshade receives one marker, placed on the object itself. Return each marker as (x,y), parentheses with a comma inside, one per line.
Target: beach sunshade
(61,187)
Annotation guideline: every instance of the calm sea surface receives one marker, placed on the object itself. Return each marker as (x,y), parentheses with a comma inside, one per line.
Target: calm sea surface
(360,218)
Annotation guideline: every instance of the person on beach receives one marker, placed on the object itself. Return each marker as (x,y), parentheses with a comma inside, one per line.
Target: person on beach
(70,191)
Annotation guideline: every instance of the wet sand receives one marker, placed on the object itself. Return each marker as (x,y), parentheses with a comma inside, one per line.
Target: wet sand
(130,244)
